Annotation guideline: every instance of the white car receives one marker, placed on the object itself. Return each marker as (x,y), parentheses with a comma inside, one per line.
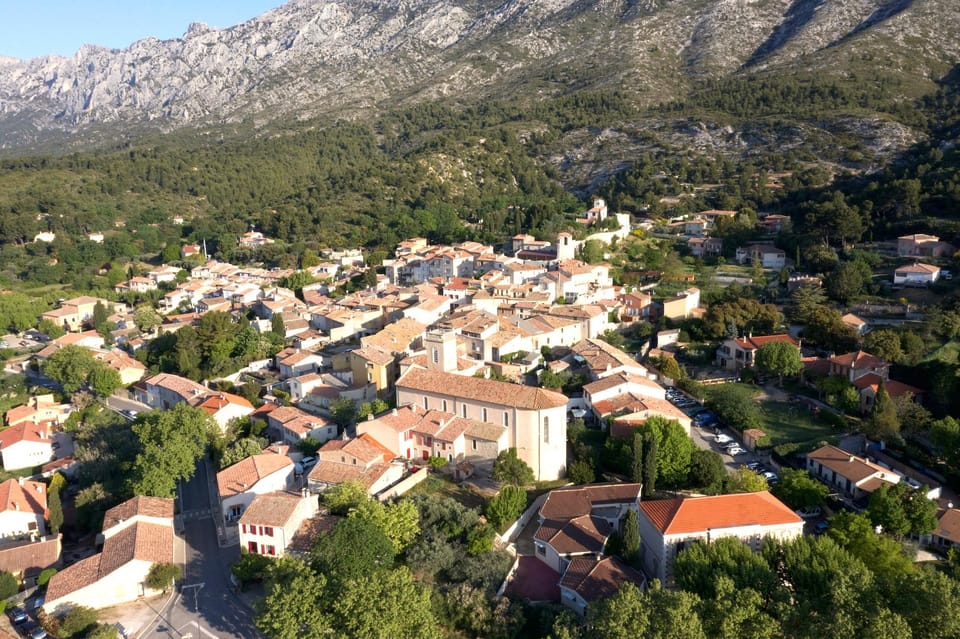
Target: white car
(723,439)
(733,451)
(809,512)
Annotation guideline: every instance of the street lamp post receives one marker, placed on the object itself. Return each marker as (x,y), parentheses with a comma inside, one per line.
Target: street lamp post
(196,592)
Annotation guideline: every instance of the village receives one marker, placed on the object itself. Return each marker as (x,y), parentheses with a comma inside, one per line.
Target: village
(441,362)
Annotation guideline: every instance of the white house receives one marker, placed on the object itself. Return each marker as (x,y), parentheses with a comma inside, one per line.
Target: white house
(225,407)
(667,526)
(268,472)
(851,475)
(916,274)
(23,508)
(26,445)
(136,535)
(271,520)
(362,459)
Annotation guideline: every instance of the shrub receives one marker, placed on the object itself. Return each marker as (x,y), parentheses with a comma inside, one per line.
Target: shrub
(8,585)
(250,569)
(161,576)
(78,622)
(506,506)
(438,463)
(44,577)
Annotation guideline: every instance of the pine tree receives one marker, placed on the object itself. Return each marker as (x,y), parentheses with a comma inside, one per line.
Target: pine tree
(883,421)
(637,467)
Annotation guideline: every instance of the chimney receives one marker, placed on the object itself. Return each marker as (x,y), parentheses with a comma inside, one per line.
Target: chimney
(851,459)
(370,416)
(16,506)
(394,411)
(39,488)
(20,481)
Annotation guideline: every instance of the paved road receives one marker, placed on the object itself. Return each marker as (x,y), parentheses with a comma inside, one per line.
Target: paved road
(206,606)
(121,403)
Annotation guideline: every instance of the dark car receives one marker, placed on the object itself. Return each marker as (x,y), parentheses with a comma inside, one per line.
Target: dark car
(821,527)
(17,615)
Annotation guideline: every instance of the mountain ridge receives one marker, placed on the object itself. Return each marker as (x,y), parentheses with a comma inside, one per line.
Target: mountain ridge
(312,59)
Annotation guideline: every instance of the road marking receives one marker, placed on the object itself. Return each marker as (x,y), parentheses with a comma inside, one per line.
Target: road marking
(192,625)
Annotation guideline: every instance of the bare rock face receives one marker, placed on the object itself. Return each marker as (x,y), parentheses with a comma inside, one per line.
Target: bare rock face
(311,58)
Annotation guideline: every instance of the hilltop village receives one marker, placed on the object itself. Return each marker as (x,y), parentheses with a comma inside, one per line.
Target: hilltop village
(598,433)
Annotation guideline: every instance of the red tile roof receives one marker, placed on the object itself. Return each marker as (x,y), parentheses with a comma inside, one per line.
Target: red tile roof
(752,342)
(698,514)
(25,432)
(240,477)
(145,506)
(858,359)
(28,496)
(593,580)
(478,389)
(567,503)
(583,534)
(271,509)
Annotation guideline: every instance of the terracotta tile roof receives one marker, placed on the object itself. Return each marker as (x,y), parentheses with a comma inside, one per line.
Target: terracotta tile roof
(948,526)
(752,342)
(185,388)
(240,477)
(858,359)
(477,389)
(335,473)
(892,386)
(145,506)
(567,503)
(143,541)
(816,364)
(871,484)
(399,419)
(373,354)
(485,431)
(594,580)
(698,514)
(854,468)
(271,509)
(73,578)
(25,432)
(218,400)
(584,534)
(30,557)
(365,448)
(306,535)
(30,496)
(918,267)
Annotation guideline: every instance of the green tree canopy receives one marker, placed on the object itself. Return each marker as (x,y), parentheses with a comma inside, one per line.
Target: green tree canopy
(355,548)
(170,444)
(70,366)
(799,490)
(674,448)
(385,606)
(510,469)
(779,358)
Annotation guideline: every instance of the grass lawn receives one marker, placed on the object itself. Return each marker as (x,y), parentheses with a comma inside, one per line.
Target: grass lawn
(786,423)
(443,486)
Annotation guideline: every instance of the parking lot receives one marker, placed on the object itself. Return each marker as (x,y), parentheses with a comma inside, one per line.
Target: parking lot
(709,434)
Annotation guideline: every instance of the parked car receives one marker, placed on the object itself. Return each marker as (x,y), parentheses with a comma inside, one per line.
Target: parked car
(308,461)
(17,615)
(809,512)
(821,527)
(733,451)
(722,439)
